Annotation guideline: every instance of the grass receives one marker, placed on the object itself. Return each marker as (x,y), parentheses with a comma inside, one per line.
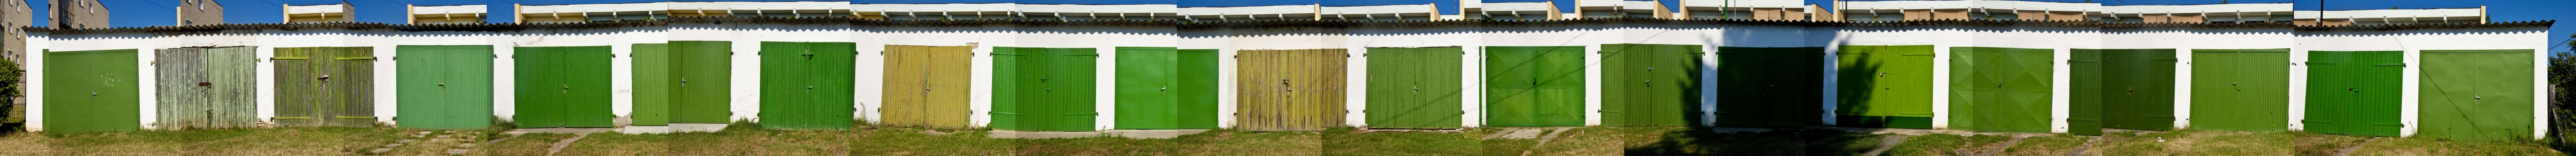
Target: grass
(2198,142)
(2046,145)
(1844,143)
(1931,144)
(2438,146)
(1345,141)
(1594,140)
(277,141)
(2320,144)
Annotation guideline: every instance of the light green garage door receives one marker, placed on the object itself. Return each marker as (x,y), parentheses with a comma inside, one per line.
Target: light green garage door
(443,86)
(1769,87)
(1883,86)
(1166,88)
(91,91)
(2354,92)
(1044,89)
(2240,89)
(2477,94)
(326,86)
(1534,86)
(207,88)
(1414,87)
(807,85)
(1650,85)
(562,87)
(2001,89)
(683,82)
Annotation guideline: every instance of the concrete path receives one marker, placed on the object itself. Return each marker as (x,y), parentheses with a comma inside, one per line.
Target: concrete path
(576,131)
(1136,134)
(2348,150)
(673,128)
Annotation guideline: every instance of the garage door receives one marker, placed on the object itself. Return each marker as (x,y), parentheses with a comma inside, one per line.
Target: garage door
(1044,89)
(2477,94)
(1769,87)
(683,82)
(2123,89)
(1290,90)
(927,86)
(325,86)
(443,86)
(2240,89)
(807,85)
(204,88)
(1534,86)
(1650,85)
(1166,88)
(92,91)
(1414,87)
(2354,92)
(2001,89)
(562,87)
(1883,86)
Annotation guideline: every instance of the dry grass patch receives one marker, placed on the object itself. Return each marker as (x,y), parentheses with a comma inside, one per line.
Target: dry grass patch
(2203,142)
(2058,144)
(2435,146)
(1230,142)
(1932,144)
(525,144)
(910,141)
(25,143)
(2320,144)
(1346,141)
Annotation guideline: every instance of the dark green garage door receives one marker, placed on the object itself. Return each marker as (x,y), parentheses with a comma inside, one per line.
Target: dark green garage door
(2240,89)
(2121,88)
(1165,88)
(91,91)
(326,86)
(1414,87)
(1043,89)
(443,86)
(207,88)
(807,85)
(562,87)
(1534,86)
(1883,86)
(1769,87)
(2354,92)
(1650,85)
(683,82)
(2477,94)
(2001,89)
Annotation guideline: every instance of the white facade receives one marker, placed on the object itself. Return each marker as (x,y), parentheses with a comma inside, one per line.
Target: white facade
(1409,12)
(1250,13)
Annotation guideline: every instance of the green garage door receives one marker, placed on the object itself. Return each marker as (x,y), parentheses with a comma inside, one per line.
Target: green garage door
(1534,86)
(807,85)
(1883,86)
(2001,89)
(1414,87)
(202,88)
(92,91)
(1769,87)
(443,86)
(2477,94)
(683,82)
(326,86)
(1631,93)
(2354,92)
(1165,88)
(1043,89)
(2240,89)
(562,87)
(2121,88)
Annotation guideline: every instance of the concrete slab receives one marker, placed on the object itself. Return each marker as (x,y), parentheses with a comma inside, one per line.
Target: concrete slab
(1135,134)
(581,131)
(697,127)
(1523,133)
(644,129)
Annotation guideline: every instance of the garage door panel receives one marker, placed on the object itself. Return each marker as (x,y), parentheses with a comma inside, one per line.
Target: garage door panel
(2477,94)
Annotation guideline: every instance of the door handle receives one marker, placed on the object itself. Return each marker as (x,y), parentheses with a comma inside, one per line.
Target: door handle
(1167,90)
(684,82)
(2133,90)
(567,88)
(1882,74)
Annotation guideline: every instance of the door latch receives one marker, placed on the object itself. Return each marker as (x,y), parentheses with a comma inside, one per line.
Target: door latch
(1167,90)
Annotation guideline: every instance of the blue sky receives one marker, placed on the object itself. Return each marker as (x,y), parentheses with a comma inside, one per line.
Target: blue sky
(135,13)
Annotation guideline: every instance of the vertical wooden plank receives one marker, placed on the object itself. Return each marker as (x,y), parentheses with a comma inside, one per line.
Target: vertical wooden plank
(359,100)
(948,79)
(179,94)
(1335,76)
(902,87)
(295,87)
(230,71)
(656,84)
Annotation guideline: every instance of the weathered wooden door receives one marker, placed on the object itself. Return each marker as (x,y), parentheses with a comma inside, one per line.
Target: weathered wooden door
(927,86)
(92,91)
(1767,87)
(443,86)
(2240,89)
(206,88)
(1290,90)
(1044,89)
(2001,89)
(325,86)
(2354,92)
(683,82)
(2483,95)
(1650,85)
(807,85)
(1414,87)
(1534,86)
(1166,88)
(1884,86)
(2133,88)
(562,87)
